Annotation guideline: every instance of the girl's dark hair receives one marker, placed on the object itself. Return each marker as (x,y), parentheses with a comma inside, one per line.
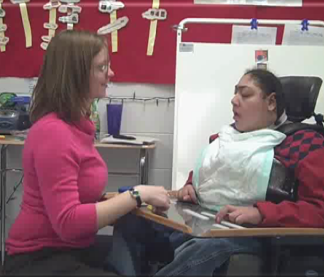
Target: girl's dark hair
(269,83)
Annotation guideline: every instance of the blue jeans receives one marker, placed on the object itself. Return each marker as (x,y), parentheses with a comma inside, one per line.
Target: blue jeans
(206,256)
(136,240)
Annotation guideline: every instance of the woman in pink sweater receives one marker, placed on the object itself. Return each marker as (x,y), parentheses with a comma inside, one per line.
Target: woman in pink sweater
(60,214)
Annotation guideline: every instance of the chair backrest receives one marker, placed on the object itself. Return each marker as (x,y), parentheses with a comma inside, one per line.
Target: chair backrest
(300,93)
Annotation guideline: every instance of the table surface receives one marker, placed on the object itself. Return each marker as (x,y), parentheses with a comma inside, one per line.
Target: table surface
(178,219)
(11,140)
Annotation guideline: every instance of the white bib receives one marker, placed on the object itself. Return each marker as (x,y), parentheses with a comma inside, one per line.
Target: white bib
(235,168)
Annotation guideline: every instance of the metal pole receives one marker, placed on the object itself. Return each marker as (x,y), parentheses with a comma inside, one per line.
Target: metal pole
(3,201)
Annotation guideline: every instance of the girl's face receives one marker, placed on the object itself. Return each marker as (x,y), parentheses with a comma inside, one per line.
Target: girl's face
(252,109)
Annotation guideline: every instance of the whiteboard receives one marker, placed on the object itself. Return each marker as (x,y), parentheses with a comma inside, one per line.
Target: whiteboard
(206,74)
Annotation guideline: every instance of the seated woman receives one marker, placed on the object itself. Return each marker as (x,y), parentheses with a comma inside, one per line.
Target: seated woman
(62,209)
(258,104)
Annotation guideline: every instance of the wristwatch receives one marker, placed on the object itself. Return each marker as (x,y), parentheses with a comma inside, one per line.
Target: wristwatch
(136,195)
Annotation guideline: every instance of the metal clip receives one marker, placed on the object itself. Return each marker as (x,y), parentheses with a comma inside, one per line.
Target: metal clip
(73,18)
(254,24)
(51,5)
(118,24)
(73,8)
(110,6)
(2,13)
(305,25)
(51,26)
(44,45)
(3,27)
(4,40)
(155,14)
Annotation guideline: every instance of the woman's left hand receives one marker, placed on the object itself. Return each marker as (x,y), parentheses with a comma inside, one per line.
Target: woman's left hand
(239,215)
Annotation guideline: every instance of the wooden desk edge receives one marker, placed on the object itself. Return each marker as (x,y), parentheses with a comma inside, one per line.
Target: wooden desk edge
(264,232)
(112,194)
(248,232)
(10,140)
(126,146)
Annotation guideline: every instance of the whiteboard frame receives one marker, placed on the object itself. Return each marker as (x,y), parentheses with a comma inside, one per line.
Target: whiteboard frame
(183,27)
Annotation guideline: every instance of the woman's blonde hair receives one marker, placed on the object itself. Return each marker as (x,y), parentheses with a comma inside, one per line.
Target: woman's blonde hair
(63,83)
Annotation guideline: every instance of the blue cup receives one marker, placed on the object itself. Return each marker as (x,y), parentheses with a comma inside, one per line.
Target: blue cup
(114,117)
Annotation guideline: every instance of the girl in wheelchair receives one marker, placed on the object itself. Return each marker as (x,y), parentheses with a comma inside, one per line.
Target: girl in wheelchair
(234,176)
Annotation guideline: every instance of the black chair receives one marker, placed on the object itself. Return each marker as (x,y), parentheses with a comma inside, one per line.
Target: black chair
(303,257)
(301,93)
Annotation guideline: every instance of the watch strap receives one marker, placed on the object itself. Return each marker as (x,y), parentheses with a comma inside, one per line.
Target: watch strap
(136,195)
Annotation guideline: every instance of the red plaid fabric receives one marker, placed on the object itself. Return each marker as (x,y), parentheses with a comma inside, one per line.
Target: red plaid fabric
(297,146)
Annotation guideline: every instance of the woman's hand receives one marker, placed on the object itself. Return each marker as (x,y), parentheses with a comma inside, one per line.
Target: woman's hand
(155,196)
(239,215)
(187,194)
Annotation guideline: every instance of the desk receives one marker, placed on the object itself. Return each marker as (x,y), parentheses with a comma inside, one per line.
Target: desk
(177,220)
(143,173)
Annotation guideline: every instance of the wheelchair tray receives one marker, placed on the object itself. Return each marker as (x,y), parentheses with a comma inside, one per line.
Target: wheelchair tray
(199,222)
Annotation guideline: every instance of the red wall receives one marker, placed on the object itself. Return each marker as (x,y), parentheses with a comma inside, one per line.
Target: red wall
(130,63)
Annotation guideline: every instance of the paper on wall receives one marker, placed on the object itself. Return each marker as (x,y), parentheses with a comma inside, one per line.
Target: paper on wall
(260,36)
(293,35)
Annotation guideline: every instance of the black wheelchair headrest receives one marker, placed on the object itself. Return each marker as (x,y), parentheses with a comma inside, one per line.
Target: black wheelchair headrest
(300,93)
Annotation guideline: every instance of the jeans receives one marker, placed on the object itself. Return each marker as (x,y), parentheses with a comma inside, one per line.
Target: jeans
(206,256)
(137,240)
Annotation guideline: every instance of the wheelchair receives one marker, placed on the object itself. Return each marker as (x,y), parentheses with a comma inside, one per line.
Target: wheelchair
(283,255)
(288,255)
